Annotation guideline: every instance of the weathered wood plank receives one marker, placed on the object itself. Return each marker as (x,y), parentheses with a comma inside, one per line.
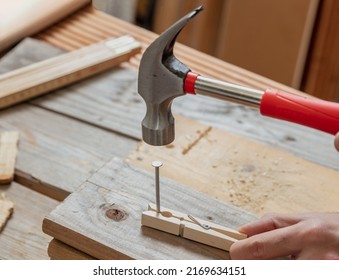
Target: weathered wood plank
(22,237)
(124,110)
(57,154)
(85,220)
(111,101)
(250,175)
(8,151)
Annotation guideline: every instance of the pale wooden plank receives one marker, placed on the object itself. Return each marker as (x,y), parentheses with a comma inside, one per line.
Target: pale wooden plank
(22,238)
(6,210)
(83,220)
(56,72)
(250,175)
(8,151)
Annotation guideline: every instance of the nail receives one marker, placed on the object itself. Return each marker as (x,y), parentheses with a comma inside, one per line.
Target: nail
(157,164)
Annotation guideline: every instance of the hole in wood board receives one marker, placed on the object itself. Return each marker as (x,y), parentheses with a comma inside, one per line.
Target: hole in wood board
(114,212)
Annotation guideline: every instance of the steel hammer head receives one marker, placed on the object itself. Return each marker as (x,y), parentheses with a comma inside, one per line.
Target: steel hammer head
(161,79)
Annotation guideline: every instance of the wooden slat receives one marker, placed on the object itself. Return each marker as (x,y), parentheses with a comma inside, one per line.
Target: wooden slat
(8,151)
(22,238)
(41,77)
(89,227)
(255,177)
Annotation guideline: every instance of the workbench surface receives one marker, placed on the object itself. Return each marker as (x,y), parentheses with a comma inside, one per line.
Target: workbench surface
(66,136)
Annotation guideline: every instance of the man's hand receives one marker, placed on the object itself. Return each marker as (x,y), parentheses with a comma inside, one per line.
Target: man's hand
(302,236)
(336,141)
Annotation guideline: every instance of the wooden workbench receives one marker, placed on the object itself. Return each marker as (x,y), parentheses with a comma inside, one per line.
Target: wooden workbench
(66,137)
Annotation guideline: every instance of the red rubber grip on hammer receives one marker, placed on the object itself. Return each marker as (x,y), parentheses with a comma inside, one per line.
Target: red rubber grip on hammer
(311,112)
(190,79)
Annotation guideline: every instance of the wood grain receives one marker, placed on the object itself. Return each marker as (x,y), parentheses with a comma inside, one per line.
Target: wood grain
(8,151)
(255,177)
(59,153)
(22,238)
(102,218)
(73,148)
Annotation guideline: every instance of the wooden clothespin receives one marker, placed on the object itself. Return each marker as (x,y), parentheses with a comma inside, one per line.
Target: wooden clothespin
(190,227)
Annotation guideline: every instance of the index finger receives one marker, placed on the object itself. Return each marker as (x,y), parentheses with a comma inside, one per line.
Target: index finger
(268,223)
(277,243)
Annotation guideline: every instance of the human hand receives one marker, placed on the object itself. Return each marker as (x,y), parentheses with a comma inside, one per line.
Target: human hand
(301,236)
(336,141)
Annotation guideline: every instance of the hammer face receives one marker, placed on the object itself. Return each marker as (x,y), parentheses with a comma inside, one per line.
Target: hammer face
(161,79)
(158,125)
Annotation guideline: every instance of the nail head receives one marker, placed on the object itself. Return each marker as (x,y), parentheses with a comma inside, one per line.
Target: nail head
(156,163)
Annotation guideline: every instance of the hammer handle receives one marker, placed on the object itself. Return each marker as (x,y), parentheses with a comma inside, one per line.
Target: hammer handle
(312,112)
(308,111)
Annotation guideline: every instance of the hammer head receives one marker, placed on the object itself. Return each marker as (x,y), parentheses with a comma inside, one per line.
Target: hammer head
(161,79)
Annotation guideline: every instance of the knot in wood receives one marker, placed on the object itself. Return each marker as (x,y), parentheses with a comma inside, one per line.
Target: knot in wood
(115,214)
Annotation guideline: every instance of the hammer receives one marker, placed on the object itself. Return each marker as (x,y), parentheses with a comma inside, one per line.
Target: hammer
(162,77)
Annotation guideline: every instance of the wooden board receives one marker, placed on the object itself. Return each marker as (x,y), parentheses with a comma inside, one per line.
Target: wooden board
(72,148)
(121,109)
(22,237)
(8,150)
(250,175)
(85,220)
(6,210)
(56,72)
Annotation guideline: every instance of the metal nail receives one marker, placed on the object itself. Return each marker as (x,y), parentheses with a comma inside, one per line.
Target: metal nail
(157,164)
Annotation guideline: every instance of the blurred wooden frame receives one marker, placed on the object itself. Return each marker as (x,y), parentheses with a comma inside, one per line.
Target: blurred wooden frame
(18,19)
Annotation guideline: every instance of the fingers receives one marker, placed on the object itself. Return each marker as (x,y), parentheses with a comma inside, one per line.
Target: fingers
(281,242)
(336,141)
(268,223)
